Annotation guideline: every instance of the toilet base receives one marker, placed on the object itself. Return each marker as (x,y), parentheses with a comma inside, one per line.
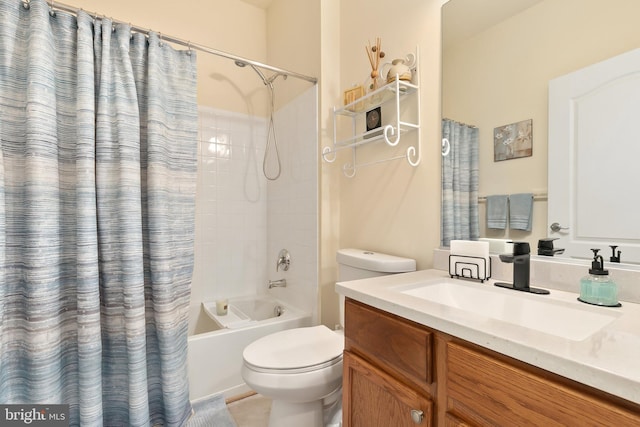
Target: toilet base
(287,414)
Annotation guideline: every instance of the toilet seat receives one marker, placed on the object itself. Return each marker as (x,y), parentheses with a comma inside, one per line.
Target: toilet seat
(295,351)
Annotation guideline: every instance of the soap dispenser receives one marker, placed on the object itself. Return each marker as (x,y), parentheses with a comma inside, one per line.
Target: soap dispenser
(597,288)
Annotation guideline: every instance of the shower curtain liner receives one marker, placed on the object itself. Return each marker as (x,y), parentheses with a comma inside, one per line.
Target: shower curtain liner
(98,132)
(459,183)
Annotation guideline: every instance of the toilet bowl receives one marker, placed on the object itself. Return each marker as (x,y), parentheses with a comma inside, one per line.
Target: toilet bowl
(300,370)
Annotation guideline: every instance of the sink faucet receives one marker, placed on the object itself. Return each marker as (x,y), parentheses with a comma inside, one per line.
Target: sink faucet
(520,259)
(282,283)
(613,257)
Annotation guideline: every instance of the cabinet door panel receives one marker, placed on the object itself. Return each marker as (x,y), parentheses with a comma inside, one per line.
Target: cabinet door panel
(500,394)
(372,398)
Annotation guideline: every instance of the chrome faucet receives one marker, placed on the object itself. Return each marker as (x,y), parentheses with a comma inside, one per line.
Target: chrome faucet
(282,283)
(520,259)
(284,260)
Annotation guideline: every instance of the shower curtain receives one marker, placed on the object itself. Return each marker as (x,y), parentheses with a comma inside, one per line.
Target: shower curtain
(98,132)
(459,215)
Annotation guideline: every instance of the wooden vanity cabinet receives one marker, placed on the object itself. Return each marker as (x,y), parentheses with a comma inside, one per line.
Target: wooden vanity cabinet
(388,370)
(395,369)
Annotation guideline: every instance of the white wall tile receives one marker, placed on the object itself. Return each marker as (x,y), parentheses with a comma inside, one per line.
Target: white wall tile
(243,220)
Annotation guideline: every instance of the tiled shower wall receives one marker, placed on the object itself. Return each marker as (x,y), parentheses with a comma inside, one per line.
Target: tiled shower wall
(292,206)
(243,220)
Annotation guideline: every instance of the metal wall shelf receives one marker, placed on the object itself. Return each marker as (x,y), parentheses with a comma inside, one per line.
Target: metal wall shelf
(397,92)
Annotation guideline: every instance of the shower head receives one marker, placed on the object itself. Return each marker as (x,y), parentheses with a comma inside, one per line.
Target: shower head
(261,74)
(268,81)
(275,76)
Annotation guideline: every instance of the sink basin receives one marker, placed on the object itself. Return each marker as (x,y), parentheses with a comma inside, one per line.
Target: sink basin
(540,313)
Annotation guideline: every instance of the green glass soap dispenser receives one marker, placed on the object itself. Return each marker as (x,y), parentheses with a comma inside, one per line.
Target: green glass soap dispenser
(597,288)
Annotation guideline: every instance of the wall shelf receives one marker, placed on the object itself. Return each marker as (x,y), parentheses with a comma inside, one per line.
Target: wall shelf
(393,94)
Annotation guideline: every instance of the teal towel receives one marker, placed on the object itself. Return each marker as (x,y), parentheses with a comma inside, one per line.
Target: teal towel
(520,211)
(497,212)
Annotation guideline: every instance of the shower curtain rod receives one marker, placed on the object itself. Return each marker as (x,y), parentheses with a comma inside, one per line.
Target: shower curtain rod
(238,59)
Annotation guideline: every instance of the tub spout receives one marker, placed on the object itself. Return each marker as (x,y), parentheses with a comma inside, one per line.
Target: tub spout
(282,283)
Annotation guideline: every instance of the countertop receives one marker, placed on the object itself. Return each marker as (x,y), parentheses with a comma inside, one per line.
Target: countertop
(608,360)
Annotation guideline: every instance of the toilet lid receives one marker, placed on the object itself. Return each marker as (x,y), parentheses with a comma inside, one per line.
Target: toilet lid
(294,349)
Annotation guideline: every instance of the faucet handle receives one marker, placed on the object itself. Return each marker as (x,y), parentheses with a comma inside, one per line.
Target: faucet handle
(284,260)
(521,248)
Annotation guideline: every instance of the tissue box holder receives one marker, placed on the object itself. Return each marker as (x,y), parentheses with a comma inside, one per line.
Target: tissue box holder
(469,267)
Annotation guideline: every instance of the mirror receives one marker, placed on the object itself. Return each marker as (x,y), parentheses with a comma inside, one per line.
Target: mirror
(498,57)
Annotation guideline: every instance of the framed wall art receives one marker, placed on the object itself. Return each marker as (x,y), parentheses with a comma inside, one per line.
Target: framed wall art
(513,141)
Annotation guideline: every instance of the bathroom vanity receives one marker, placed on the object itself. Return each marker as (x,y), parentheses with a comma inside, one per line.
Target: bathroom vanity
(412,361)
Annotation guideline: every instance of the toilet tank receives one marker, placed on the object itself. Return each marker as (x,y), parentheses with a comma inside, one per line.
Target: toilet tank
(354,264)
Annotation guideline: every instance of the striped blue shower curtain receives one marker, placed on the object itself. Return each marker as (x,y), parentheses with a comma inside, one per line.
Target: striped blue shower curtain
(98,132)
(459,214)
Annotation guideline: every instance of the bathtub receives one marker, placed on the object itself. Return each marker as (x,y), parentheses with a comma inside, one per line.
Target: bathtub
(215,354)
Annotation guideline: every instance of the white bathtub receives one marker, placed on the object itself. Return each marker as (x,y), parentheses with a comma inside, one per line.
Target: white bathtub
(215,355)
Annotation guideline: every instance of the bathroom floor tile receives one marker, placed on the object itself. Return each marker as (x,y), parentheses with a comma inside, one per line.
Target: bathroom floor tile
(252,411)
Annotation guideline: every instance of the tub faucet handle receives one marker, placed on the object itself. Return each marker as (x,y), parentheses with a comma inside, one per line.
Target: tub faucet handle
(284,260)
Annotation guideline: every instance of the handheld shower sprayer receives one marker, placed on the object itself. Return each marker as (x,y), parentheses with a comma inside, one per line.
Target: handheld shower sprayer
(271,130)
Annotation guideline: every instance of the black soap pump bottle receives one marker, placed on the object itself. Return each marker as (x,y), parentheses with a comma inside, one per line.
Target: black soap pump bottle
(597,288)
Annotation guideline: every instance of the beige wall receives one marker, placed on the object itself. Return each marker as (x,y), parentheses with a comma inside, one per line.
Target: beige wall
(293,43)
(394,207)
(501,76)
(390,207)
(329,190)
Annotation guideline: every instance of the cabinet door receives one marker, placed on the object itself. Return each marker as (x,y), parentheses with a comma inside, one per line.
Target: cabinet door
(492,392)
(372,398)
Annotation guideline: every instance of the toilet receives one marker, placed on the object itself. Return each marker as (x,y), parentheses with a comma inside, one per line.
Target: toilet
(301,369)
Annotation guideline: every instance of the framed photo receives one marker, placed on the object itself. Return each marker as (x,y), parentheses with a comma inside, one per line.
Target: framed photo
(513,141)
(374,121)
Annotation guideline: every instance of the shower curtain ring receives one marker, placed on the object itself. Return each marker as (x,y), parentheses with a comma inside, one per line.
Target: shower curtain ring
(26,4)
(189,46)
(52,12)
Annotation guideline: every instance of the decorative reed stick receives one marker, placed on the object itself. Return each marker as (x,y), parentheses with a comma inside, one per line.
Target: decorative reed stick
(374,53)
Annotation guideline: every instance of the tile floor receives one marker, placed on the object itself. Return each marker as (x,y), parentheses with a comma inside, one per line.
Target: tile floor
(252,411)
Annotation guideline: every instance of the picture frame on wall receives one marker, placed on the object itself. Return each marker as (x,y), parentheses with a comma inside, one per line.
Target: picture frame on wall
(513,141)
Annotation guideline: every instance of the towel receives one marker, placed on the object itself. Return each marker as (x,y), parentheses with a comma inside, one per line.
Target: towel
(497,212)
(520,211)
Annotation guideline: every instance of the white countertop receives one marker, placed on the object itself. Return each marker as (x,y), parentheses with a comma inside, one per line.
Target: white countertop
(609,359)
